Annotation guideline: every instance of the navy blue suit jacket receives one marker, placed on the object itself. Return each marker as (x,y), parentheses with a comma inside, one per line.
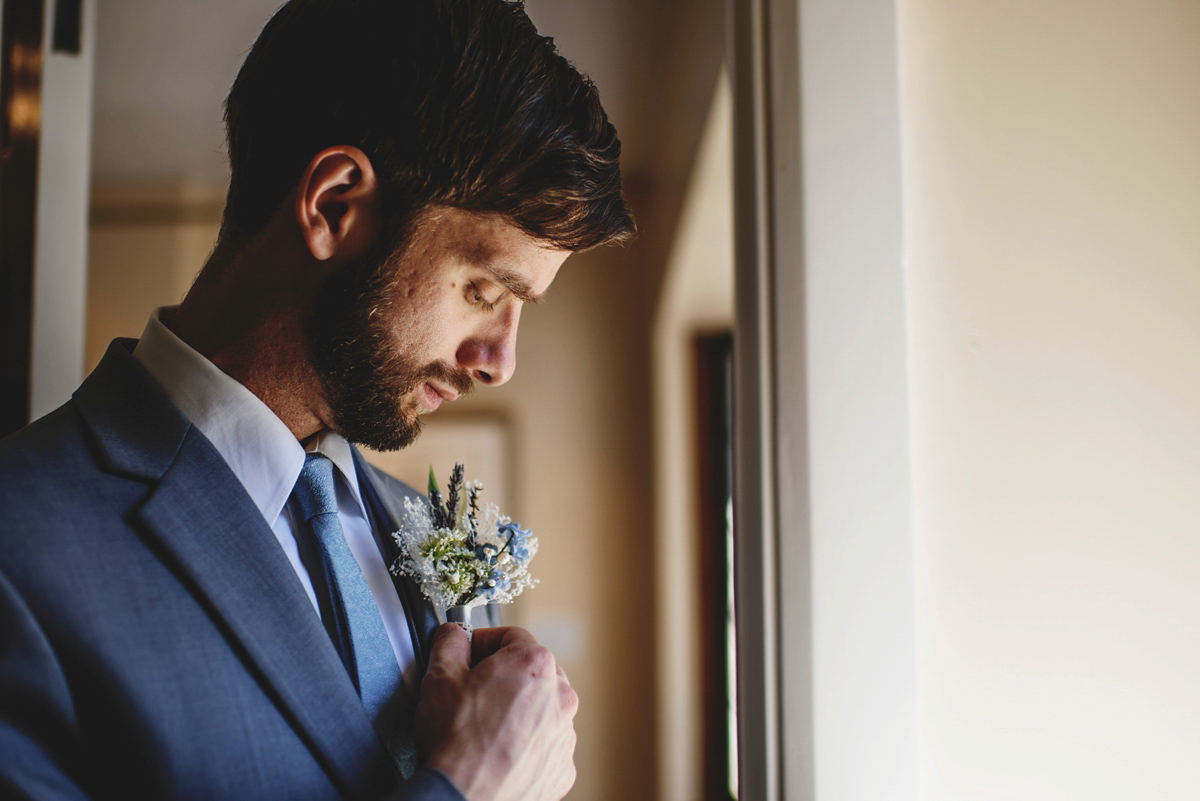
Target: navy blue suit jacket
(155,641)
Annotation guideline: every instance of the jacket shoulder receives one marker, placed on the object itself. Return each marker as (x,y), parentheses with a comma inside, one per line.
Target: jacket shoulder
(49,449)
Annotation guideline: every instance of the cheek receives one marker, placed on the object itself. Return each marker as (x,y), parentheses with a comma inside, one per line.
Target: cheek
(418,296)
(430,320)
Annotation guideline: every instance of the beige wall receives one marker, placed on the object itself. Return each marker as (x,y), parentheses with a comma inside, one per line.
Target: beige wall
(145,245)
(1052,193)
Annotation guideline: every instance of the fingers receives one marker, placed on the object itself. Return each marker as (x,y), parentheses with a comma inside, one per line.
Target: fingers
(442,686)
(566,762)
(451,652)
(488,641)
(568,775)
(568,699)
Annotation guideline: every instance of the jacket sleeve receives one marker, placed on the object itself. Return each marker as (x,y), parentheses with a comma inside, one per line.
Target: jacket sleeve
(427,784)
(37,717)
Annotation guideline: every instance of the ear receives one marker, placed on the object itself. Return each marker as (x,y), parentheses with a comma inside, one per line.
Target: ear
(335,202)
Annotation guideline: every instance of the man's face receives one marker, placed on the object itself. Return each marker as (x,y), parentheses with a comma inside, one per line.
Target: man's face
(398,334)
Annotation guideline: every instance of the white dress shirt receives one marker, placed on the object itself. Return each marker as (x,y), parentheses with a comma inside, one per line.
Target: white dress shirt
(265,456)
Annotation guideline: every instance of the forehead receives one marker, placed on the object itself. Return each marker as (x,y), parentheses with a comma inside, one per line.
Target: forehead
(447,237)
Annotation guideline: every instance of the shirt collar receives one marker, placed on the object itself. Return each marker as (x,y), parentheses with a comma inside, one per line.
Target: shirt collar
(258,447)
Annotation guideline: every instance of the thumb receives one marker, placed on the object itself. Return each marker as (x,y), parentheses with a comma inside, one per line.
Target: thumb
(450,656)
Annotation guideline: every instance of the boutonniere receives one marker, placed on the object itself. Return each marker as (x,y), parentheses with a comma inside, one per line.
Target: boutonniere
(462,554)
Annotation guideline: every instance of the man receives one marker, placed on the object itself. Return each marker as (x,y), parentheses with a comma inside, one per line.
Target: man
(194,600)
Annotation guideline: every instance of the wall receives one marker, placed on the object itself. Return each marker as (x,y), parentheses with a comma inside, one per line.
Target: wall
(60,268)
(841,455)
(697,298)
(145,245)
(1052,194)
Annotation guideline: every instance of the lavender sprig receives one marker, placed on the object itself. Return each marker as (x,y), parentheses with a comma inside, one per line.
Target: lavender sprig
(473,512)
(454,493)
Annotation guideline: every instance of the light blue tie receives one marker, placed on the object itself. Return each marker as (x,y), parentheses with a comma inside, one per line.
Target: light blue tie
(358,631)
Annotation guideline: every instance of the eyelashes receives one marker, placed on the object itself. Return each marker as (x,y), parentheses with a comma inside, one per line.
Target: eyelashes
(477,297)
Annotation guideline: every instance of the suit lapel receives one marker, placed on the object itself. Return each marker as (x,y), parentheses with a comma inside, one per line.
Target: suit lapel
(211,529)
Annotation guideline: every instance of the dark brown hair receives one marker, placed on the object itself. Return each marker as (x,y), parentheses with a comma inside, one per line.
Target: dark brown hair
(455,102)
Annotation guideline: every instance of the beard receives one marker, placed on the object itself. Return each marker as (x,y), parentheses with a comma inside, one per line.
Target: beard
(371,383)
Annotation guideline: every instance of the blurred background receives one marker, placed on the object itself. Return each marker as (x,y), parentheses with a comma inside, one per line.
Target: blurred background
(1050,157)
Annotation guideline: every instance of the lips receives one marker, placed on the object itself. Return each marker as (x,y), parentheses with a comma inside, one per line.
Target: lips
(435,395)
(432,399)
(441,383)
(444,394)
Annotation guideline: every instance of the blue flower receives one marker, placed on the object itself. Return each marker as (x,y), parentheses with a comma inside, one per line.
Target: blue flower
(513,533)
(486,553)
(516,538)
(496,582)
(499,581)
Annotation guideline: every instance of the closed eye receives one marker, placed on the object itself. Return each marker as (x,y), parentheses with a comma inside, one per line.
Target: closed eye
(476,296)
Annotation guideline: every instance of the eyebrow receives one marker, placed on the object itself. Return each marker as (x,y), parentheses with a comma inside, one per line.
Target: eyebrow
(514,284)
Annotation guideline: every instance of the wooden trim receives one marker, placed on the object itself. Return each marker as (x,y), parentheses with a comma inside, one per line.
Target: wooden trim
(155,204)
(754,438)
(154,213)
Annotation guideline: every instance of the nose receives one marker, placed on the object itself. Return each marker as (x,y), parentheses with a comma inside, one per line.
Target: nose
(491,353)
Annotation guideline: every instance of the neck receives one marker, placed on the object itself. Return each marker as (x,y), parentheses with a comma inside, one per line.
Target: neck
(246,314)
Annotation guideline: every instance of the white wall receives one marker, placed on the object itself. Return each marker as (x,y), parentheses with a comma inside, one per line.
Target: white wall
(60,248)
(1052,194)
(853,346)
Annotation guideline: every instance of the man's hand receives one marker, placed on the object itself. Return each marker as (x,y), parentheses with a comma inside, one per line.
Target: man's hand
(501,730)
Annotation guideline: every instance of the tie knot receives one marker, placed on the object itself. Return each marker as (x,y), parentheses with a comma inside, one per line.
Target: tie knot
(314,490)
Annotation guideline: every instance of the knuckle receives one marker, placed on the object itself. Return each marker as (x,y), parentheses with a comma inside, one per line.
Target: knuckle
(541,661)
(570,700)
(436,671)
(516,636)
(436,679)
